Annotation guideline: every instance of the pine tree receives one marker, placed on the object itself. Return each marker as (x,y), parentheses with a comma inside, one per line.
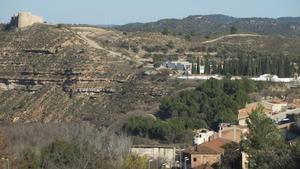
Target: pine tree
(267,66)
(193,68)
(259,67)
(288,67)
(224,69)
(198,65)
(213,67)
(207,67)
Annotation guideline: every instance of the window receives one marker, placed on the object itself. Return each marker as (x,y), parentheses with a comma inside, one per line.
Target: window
(195,159)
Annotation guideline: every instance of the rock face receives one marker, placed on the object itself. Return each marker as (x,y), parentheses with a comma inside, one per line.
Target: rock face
(25,19)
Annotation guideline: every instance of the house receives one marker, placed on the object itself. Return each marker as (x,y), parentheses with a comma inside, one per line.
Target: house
(245,112)
(275,105)
(170,65)
(202,69)
(165,153)
(205,154)
(233,133)
(180,66)
(273,78)
(185,67)
(202,135)
(275,109)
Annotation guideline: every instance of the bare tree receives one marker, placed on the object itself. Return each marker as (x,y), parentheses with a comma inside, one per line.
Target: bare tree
(94,148)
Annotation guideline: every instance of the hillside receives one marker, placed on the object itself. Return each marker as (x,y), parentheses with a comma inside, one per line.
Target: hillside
(67,76)
(103,75)
(209,25)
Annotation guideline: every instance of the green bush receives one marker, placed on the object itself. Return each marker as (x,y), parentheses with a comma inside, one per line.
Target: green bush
(147,127)
(135,162)
(28,160)
(59,25)
(60,153)
(165,131)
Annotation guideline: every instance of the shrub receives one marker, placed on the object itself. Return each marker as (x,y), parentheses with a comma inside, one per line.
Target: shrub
(165,32)
(66,146)
(29,160)
(59,154)
(135,162)
(59,25)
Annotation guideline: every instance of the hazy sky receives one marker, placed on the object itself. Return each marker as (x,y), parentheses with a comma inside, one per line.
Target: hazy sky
(125,11)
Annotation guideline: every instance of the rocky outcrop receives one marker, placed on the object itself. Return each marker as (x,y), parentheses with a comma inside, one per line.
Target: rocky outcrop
(43,51)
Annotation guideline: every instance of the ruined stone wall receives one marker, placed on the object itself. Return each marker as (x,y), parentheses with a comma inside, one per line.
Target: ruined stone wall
(25,19)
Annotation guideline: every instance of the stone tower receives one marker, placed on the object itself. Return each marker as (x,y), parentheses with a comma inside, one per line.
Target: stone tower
(25,19)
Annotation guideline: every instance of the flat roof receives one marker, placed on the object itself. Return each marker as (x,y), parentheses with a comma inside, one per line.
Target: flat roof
(154,146)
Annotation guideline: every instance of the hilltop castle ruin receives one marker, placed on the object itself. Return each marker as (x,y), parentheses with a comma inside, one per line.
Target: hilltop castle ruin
(24,19)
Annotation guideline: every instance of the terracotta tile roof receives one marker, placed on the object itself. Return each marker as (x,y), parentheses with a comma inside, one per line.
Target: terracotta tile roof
(245,112)
(277,101)
(212,147)
(228,133)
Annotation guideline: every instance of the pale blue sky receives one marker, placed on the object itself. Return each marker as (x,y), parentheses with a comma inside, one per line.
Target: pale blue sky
(126,11)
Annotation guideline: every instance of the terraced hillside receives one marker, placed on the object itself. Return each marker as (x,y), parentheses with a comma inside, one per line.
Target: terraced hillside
(50,73)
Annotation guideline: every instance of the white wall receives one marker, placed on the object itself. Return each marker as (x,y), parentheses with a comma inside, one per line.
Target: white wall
(165,153)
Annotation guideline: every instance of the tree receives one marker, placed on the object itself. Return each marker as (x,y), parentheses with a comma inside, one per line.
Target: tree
(188,37)
(29,160)
(207,66)
(194,69)
(231,159)
(65,146)
(165,31)
(135,162)
(170,44)
(265,144)
(59,25)
(198,65)
(296,152)
(214,67)
(59,154)
(233,30)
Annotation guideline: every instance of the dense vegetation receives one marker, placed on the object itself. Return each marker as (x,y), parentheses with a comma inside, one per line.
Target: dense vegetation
(208,105)
(265,145)
(172,131)
(67,155)
(66,146)
(213,101)
(208,25)
(253,64)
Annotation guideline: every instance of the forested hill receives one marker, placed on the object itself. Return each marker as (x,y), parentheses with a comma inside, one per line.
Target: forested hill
(207,25)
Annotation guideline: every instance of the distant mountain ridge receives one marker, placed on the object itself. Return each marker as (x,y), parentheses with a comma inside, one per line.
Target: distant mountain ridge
(219,24)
